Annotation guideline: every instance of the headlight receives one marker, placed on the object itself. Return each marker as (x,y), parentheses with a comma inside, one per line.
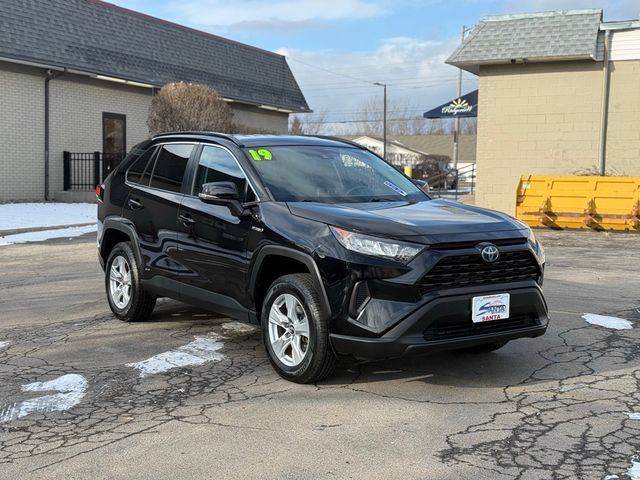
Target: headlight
(537,246)
(378,247)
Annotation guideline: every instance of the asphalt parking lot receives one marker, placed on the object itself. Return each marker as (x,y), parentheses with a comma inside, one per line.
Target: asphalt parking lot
(83,395)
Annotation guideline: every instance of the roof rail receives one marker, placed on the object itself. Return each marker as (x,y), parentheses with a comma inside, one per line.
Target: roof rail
(226,136)
(337,139)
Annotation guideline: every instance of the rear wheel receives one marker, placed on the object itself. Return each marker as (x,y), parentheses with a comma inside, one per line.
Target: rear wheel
(128,300)
(295,332)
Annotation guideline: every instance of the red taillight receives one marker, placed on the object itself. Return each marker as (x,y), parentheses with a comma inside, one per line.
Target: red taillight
(100,192)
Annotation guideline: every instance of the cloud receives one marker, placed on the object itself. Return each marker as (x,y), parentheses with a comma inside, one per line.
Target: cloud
(274,14)
(340,83)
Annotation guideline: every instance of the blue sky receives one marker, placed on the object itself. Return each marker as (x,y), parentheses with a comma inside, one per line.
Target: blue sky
(338,48)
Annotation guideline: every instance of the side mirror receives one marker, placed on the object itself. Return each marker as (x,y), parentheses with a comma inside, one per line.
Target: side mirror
(222,193)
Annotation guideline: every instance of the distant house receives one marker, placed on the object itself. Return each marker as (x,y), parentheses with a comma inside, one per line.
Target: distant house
(79,75)
(410,150)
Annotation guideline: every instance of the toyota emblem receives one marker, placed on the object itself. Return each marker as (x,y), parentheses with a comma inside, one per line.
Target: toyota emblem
(490,253)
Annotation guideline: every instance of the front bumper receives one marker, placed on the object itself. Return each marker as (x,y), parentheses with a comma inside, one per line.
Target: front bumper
(444,323)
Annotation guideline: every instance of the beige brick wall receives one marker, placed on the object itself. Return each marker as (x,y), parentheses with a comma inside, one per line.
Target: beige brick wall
(623,132)
(544,119)
(259,118)
(535,119)
(21,133)
(77,104)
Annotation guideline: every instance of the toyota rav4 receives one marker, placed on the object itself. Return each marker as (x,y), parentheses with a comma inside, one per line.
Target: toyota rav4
(327,247)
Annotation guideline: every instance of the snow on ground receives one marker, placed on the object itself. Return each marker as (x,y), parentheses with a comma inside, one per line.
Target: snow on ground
(4,344)
(633,415)
(634,471)
(31,215)
(42,235)
(201,350)
(70,389)
(608,322)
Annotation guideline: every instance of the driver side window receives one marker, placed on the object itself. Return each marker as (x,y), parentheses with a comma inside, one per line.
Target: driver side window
(218,165)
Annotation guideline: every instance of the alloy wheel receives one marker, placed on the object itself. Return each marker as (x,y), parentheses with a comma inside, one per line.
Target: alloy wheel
(288,330)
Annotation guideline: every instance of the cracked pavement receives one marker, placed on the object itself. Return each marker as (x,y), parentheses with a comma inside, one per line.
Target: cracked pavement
(555,407)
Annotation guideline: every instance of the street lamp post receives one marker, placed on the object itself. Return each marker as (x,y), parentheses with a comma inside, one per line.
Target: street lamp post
(384,120)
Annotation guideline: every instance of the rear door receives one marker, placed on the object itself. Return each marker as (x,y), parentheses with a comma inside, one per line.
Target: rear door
(152,206)
(213,242)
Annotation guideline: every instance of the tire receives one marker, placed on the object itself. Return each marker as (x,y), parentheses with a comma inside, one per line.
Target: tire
(318,360)
(139,303)
(486,347)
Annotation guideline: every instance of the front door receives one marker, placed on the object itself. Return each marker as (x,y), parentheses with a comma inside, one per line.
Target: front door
(213,242)
(114,141)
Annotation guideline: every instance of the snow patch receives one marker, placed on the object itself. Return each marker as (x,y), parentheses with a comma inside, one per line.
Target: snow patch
(633,415)
(634,471)
(201,350)
(5,344)
(31,215)
(611,477)
(46,235)
(71,388)
(608,322)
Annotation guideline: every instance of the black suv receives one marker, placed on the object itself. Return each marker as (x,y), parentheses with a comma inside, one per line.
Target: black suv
(318,240)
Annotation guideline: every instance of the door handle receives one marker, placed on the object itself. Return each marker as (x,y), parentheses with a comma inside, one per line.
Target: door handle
(134,204)
(186,220)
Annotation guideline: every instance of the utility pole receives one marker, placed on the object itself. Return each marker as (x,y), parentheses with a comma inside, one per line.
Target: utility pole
(456,124)
(384,120)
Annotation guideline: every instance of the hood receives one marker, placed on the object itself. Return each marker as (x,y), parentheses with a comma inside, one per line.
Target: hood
(427,222)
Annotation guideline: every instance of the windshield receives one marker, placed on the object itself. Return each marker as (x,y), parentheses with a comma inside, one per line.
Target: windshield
(330,175)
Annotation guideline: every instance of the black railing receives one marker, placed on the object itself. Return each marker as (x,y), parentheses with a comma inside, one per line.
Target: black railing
(453,184)
(83,171)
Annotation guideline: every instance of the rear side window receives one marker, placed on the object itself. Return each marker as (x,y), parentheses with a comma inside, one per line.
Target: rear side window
(170,166)
(139,171)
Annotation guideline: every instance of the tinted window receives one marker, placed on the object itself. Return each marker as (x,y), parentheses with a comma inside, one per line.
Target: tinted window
(171,163)
(218,165)
(331,175)
(139,171)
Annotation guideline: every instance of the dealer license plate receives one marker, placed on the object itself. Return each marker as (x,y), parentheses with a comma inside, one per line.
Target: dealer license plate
(490,307)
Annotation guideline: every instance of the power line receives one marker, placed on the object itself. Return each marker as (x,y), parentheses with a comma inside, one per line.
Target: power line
(329,71)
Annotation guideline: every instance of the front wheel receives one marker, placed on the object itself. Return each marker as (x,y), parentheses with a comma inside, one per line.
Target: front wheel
(128,300)
(295,332)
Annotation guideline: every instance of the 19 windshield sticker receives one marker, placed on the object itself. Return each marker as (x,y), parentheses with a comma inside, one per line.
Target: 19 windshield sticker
(262,154)
(395,188)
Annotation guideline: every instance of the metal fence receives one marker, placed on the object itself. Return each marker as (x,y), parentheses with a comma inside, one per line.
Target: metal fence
(83,171)
(453,184)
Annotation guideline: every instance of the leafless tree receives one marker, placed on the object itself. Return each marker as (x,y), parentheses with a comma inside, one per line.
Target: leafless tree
(186,106)
(308,123)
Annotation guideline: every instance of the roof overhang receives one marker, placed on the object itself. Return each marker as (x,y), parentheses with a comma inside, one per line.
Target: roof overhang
(103,76)
(475,66)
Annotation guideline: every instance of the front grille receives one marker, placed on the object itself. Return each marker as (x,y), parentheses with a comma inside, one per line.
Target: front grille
(470,271)
(442,330)
(503,242)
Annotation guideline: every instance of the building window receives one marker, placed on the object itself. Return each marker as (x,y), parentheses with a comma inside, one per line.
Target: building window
(114,135)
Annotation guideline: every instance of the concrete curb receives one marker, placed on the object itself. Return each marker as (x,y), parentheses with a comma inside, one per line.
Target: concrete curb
(16,231)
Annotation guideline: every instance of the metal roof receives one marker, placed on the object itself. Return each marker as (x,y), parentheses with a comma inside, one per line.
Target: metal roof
(533,37)
(100,38)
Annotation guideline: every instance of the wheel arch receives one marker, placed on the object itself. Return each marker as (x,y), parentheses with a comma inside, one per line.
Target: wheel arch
(117,230)
(286,259)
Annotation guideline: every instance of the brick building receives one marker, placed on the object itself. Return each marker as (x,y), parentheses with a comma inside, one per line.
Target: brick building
(559,94)
(79,75)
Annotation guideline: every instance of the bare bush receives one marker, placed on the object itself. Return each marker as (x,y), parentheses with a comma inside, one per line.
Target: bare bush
(188,107)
